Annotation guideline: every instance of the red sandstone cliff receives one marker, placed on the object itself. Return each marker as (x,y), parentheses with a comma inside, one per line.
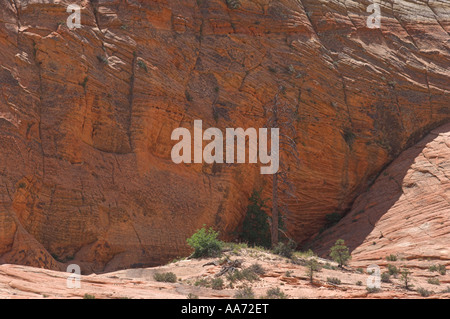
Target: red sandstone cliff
(86,115)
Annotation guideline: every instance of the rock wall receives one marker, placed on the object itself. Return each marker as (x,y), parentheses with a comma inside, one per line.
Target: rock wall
(86,115)
(405,213)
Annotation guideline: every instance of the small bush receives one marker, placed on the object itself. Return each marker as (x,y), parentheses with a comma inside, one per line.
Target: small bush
(192,296)
(205,243)
(334,280)
(245,293)
(446,290)
(88,296)
(285,249)
(142,65)
(240,275)
(392,270)
(359,283)
(329,266)
(165,277)
(434,281)
(275,293)
(372,290)
(385,277)
(257,269)
(340,253)
(424,293)
(438,268)
(202,283)
(217,284)
(360,270)
(391,258)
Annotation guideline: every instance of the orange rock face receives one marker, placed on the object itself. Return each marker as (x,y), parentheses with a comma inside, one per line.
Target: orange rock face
(406,212)
(86,116)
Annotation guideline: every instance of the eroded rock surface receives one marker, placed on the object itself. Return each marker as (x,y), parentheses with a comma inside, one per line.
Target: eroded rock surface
(406,213)
(86,115)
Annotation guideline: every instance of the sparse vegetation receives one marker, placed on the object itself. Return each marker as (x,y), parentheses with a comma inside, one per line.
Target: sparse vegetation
(245,293)
(192,296)
(385,277)
(340,253)
(165,277)
(391,258)
(285,249)
(359,283)
(392,270)
(83,84)
(257,269)
(205,243)
(275,293)
(217,284)
(372,290)
(142,65)
(240,275)
(438,268)
(334,280)
(88,296)
(424,292)
(434,281)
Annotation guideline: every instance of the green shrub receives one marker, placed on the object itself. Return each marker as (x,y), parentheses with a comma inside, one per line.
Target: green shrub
(205,243)
(424,293)
(275,293)
(240,275)
(439,268)
(360,270)
(245,293)
(385,277)
(165,277)
(392,270)
(340,253)
(434,281)
(142,65)
(446,290)
(391,258)
(217,284)
(203,282)
(257,269)
(192,296)
(372,290)
(334,280)
(88,296)
(285,249)
(329,266)
(255,228)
